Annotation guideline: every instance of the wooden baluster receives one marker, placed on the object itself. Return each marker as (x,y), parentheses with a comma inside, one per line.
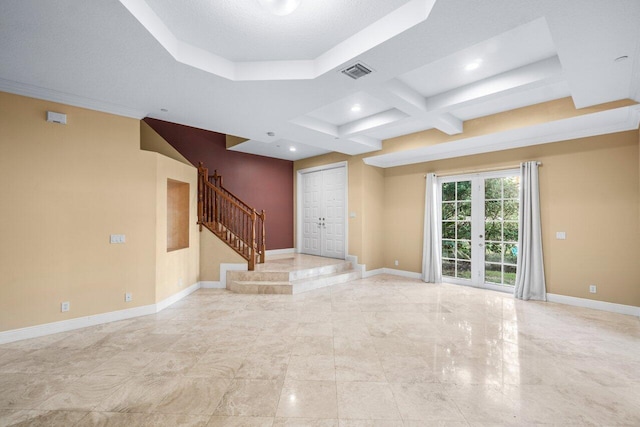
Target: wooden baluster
(200,196)
(216,203)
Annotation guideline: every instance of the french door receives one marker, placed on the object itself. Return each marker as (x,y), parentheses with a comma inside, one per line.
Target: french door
(323,208)
(479,218)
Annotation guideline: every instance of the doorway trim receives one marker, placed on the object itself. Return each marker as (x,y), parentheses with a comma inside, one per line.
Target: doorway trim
(299,218)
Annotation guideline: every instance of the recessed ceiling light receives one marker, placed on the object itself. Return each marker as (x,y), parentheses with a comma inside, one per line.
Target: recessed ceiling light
(280,7)
(621,58)
(292,148)
(473,65)
(164,110)
(356,108)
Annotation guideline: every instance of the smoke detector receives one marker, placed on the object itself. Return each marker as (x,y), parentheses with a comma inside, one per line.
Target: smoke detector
(357,70)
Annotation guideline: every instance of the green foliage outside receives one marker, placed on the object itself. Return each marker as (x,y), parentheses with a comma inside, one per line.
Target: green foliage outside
(501,229)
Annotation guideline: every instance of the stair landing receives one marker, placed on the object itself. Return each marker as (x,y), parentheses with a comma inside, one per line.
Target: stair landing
(291,274)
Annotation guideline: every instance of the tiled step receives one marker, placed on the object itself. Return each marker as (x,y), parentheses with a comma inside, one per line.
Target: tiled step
(308,284)
(249,287)
(291,276)
(294,287)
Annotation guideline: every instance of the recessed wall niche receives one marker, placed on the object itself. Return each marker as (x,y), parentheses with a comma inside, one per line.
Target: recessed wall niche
(177,215)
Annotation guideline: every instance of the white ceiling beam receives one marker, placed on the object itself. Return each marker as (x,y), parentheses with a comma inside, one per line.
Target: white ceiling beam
(317,125)
(374,143)
(402,96)
(541,70)
(448,124)
(371,122)
(600,123)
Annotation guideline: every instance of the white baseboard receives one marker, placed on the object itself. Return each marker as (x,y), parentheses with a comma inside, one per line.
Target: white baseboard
(176,297)
(358,267)
(226,266)
(371,273)
(393,271)
(596,305)
(93,320)
(211,285)
(402,273)
(280,251)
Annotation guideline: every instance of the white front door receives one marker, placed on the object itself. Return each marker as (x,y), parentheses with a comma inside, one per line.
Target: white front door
(323,212)
(311,213)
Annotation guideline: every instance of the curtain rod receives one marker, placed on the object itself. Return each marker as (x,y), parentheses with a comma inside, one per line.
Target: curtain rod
(501,168)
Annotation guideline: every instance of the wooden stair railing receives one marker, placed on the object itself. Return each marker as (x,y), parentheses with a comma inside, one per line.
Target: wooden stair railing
(232,220)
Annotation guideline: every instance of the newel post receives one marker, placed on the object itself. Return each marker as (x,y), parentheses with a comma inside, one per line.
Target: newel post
(252,245)
(263,240)
(201,177)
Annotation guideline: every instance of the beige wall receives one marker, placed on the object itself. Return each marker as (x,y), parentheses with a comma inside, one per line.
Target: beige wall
(373,201)
(178,269)
(151,141)
(209,250)
(64,190)
(582,183)
(213,252)
(588,188)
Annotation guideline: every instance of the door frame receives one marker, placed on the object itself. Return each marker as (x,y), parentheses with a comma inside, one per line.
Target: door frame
(299,218)
(477,196)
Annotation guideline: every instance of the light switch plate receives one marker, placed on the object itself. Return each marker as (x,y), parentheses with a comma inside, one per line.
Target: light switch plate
(561,235)
(117,238)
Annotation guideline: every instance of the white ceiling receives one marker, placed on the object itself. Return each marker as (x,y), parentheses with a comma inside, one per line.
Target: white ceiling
(227,66)
(241,31)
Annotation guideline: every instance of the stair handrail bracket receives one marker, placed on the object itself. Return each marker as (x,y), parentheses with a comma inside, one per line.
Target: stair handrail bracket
(228,217)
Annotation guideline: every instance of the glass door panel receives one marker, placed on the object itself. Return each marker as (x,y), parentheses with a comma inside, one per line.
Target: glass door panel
(456,229)
(501,229)
(479,216)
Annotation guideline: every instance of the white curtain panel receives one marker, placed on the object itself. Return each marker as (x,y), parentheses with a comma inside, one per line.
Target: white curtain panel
(530,283)
(431,265)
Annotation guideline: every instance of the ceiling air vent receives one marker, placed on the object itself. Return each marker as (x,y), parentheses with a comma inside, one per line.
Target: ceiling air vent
(356,71)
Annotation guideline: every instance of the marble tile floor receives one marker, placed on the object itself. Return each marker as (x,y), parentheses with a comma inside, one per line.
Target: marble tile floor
(382,351)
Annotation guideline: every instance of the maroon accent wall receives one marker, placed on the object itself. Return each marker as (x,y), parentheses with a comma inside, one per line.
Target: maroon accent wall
(262,182)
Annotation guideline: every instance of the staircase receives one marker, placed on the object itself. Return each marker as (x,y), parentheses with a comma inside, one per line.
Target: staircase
(232,220)
(292,274)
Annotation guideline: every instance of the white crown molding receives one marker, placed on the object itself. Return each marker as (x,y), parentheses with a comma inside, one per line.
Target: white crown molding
(69,99)
(600,123)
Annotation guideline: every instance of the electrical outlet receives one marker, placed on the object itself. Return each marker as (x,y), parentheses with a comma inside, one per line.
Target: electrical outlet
(180,283)
(65,306)
(127,297)
(592,289)
(396,262)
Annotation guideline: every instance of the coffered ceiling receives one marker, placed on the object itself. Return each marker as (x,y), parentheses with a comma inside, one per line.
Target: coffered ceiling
(231,67)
